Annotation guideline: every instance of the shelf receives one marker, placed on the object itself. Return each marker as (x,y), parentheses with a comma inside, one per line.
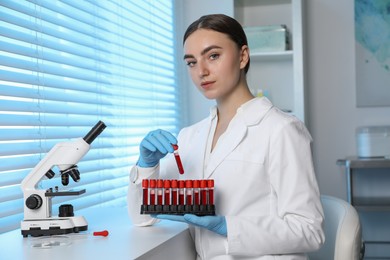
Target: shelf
(272,56)
(361,163)
(281,73)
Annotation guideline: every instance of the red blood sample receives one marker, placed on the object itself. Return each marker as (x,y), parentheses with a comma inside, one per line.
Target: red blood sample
(145,187)
(196,192)
(160,186)
(189,192)
(174,192)
(152,192)
(181,192)
(177,158)
(203,192)
(211,191)
(167,192)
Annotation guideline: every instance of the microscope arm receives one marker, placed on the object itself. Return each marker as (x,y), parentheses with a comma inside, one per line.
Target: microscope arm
(63,155)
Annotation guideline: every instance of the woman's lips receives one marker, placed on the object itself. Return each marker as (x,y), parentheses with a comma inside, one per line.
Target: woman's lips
(207,84)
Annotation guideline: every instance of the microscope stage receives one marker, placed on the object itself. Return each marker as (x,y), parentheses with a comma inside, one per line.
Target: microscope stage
(51,193)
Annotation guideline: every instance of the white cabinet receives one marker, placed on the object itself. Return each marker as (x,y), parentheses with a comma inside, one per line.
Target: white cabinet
(278,74)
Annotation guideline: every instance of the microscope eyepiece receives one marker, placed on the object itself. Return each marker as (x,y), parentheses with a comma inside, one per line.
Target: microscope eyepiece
(94,132)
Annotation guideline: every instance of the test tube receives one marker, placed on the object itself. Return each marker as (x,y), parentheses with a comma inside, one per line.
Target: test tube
(177,158)
(181,192)
(196,202)
(167,192)
(174,192)
(181,206)
(211,191)
(174,197)
(188,192)
(167,197)
(196,192)
(152,192)
(203,192)
(160,186)
(145,187)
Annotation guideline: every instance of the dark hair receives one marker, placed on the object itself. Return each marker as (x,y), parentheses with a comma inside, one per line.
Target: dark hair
(223,24)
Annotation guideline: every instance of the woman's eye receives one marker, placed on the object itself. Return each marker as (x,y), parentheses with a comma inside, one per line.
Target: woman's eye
(214,56)
(191,63)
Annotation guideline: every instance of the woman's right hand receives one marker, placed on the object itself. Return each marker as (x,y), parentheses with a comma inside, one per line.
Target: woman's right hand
(154,147)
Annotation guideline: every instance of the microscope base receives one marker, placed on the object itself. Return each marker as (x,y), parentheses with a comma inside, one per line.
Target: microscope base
(55,226)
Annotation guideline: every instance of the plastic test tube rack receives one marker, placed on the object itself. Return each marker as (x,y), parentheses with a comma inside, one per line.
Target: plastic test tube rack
(178,197)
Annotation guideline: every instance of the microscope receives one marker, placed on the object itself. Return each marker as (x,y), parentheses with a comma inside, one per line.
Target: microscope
(38,219)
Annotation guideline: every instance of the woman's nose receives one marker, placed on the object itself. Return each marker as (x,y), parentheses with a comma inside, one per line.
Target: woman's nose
(203,69)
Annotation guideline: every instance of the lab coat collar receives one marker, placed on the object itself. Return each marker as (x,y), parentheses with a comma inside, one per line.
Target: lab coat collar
(249,114)
(253,110)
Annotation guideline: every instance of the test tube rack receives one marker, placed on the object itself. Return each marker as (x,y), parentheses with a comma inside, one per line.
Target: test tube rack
(178,197)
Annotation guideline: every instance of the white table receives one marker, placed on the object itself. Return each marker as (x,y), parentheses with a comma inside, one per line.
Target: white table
(165,240)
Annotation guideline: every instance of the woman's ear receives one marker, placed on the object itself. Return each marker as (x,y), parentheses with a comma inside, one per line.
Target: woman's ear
(244,57)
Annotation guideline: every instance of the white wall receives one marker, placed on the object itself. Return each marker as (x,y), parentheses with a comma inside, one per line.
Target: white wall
(330,84)
(198,105)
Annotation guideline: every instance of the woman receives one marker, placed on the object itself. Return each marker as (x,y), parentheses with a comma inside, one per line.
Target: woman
(267,198)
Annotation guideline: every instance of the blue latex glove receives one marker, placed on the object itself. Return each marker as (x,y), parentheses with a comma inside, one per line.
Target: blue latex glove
(216,224)
(155,146)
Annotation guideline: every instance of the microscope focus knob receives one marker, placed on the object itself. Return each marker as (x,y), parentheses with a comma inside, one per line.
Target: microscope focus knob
(34,201)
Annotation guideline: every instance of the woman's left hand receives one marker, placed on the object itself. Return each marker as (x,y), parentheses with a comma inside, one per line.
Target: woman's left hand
(216,224)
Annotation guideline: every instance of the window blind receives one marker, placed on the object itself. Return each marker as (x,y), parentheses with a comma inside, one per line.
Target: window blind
(65,65)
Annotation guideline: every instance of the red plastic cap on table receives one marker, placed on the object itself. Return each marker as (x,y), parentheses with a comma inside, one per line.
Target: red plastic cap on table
(103,233)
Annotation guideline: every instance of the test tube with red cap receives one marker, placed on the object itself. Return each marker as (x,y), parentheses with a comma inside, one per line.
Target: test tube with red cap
(210,190)
(188,192)
(167,197)
(196,192)
(210,184)
(196,200)
(152,192)
(174,186)
(203,192)
(181,192)
(188,196)
(177,158)
(167,192)
(145,191)
(160,186)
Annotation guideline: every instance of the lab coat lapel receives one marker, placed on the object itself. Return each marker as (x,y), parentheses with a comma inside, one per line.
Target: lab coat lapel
(227,144)
(249,114)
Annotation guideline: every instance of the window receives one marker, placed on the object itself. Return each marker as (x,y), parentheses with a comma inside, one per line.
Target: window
(65,65)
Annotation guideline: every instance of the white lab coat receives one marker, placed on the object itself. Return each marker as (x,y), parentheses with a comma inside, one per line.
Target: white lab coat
(265,185)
